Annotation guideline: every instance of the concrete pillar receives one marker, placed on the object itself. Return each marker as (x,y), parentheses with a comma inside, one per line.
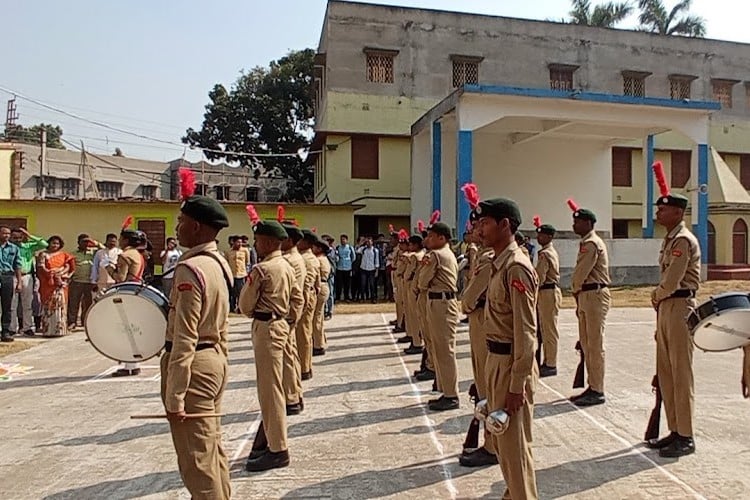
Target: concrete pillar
(648,207)
(463,175)
(437,164)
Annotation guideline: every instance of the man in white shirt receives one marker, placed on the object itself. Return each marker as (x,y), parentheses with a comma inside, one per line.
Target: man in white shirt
(169,258)
(109,254)
(368,270)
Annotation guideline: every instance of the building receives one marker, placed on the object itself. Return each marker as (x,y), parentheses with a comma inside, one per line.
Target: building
(379,69)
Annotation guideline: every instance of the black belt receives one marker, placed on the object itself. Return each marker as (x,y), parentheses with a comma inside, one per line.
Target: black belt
(683,293)
(199,347)
(501,348)
(265,316)
(593,286)
(324,280)
(441,295)
(548,286)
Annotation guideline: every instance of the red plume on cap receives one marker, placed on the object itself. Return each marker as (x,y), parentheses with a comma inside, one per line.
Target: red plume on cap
(127,222)
(187,183)
(537,221)
(391,230)
(314,229)
(471,193)
(280,213)
(661,179)
(420,226)
(254,218)
(434,217)
(572,204)
(403,235)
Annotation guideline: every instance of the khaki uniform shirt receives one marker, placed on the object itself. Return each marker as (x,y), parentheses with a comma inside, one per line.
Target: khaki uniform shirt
(440,273)
(238,261)
(680,263)
(592,263)
(130,266)
(312,278)
(272,287)
(548,265)
(476,290)
(472,253)
(411,276)
(403,264)
(293,257)
(510,313)
(325,268)
(198,313)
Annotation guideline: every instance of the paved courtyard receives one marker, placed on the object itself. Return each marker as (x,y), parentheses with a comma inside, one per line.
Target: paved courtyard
(366,432)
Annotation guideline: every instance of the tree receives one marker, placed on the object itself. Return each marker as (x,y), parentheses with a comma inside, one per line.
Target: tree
(603,16)
(267,110)
(33,135)
(655,18)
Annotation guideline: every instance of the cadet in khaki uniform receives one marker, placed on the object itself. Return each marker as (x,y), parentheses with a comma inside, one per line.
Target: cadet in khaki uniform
(438,279)
(399,268)
(194,365)
(398,326)
(550,297)
(590,284)
(292,370)
(271,297)
(304,330)
(413,328)
(472,304)
(673,299)
(510,326)
(320,249)
(426,369)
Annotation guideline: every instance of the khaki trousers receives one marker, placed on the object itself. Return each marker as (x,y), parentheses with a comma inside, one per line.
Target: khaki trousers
(479,353)
(412,318)
(674,364)
(593,307)
(304,332)
(548,304)
(513,447)
(269,339)
(318,332)
(442,321)
(200,457)
(292,372)
(398,286)
(425,329)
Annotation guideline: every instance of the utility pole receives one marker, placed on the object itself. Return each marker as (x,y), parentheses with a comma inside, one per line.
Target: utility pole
(42,164)
(11,115)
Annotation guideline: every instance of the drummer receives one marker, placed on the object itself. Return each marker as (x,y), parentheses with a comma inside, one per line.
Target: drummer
(673,299)
(130,266)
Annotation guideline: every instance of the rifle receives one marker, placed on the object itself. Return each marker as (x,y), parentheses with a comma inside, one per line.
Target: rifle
(580,370)
(652,430)
(472,435)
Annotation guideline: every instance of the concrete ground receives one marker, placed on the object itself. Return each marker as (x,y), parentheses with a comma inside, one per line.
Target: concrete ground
(365,432)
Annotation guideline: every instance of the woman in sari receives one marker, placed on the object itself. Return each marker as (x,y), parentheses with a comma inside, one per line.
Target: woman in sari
(54,268)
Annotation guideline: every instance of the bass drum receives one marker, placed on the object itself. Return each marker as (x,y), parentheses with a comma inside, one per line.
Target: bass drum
(128,322)
(722,323)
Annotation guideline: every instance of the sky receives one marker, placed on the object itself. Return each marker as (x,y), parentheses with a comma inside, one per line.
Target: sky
(147,65)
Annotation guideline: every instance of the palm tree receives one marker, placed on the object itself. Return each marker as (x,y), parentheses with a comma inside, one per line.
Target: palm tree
(603,16)
(655,18)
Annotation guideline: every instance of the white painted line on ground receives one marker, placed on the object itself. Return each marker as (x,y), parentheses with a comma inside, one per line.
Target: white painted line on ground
(615,323)
(250,434)
(625,442)
(448,479)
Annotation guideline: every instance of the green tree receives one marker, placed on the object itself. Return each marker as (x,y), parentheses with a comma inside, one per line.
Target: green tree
(655,18)
(267,110)
(33,135)
(603,16)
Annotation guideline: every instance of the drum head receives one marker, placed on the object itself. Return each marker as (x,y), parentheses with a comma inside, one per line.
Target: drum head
(126,327)
(724,331)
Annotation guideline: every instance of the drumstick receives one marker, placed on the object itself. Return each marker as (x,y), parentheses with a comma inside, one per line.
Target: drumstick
(189,415)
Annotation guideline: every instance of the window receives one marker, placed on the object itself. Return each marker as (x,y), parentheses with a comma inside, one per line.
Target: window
(148,192)
(622,167)
(620,228)
(680,168)
(12,222)
(380,65)
(722,92)
(561,76)
(634,83)
(201,189)
(365,158)
(679,86)
(155,230)
(70,187)
(745,171)
(739,242)
(465,70)
(711,243)
(50,184)
(252,193)
(109,190)
(222,192)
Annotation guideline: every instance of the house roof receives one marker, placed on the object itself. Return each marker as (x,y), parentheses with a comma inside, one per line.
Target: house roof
(723,185)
